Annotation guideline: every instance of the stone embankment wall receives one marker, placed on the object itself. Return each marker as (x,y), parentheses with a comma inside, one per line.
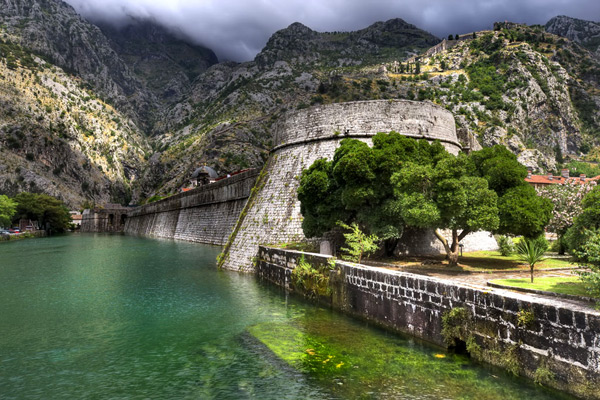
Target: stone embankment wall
(302,137)
(545,339)
(205,214)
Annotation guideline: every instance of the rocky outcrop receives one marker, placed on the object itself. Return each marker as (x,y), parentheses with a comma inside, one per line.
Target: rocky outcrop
(54,30)
(586,33)
(505,88)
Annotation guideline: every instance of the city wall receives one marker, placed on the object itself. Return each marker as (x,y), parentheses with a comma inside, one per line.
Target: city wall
(205,214)
(109,219)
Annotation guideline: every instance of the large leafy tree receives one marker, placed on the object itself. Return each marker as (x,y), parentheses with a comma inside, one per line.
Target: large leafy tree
(355,186)
(7,210)
(520,209)
(403,182)
(446,195)
(47,210)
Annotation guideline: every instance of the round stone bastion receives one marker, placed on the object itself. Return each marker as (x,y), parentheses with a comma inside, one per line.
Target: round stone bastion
(272,214)
(364,119)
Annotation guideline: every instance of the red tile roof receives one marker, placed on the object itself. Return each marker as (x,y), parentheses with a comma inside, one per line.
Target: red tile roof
(558,180)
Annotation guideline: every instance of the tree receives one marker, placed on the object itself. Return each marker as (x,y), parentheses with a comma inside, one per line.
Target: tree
(7,210)
(589,255)
(531,251)
(355,186)
(402,182)
(567,200)
(456,37)
(446,195)
(521,211)
(417,67)
(50,212)
(588,219)
(450,37)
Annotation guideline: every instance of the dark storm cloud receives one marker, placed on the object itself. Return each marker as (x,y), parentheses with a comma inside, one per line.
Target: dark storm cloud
(238,29)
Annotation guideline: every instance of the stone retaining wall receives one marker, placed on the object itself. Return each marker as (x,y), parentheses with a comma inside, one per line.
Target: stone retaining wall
(205,214)
(558,338)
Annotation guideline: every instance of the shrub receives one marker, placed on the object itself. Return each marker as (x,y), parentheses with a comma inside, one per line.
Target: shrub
(358,243)
(311,281)
(506,246)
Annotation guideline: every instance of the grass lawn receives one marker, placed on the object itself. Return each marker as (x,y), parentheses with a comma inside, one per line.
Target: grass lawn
(479,261)
(558,284)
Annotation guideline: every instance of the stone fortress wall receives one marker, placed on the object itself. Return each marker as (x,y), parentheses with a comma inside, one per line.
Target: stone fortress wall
(205,214)
(272,214)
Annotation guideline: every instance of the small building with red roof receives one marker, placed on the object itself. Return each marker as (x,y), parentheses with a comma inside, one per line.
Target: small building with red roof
(538,181)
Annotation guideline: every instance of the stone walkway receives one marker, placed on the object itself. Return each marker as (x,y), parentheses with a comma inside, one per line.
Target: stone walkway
(480,280)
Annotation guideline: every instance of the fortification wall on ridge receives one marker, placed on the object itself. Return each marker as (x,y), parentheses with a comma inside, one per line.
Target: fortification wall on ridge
(206,214)
(273,211)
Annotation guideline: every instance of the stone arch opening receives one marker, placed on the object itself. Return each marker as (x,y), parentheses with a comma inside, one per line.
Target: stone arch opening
(111,219)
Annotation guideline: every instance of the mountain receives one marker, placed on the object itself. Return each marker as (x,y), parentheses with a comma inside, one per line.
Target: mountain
(59,138)
(585,33)
(164,63)
(225,122)
(298,44)
(53,30)
(73,115)
(517,85)
(101,113)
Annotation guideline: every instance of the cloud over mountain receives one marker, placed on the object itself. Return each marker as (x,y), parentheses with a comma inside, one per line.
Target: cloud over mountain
(237,30)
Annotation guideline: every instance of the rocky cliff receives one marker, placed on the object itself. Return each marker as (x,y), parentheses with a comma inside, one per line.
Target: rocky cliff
(58,137)
(165,63)
(52,29)
(585,33)
(519,86)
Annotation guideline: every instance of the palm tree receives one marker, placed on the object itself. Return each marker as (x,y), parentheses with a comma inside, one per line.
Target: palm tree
(530,251)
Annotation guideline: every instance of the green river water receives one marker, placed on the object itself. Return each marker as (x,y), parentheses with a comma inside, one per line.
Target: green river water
(115,317)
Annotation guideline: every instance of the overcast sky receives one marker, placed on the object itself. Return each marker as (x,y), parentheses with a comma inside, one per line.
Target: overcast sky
(238,29)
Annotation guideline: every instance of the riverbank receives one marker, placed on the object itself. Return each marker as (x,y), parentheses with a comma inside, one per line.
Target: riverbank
(24,235)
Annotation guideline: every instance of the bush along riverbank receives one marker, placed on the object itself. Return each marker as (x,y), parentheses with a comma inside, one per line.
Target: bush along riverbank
(21,236)
(548,340)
